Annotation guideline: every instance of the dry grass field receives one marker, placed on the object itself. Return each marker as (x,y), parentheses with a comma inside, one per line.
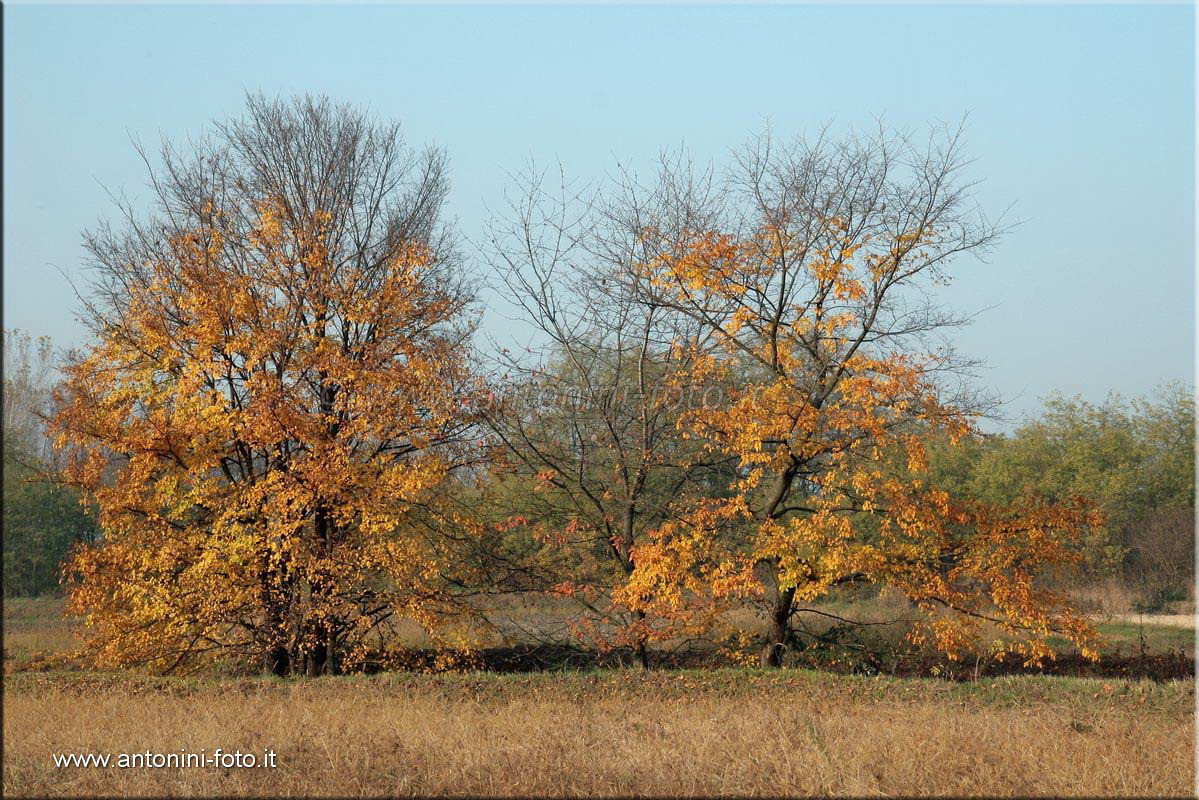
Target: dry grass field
(622,732)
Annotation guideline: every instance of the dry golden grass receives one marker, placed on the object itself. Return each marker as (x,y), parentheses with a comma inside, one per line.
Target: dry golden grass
(721,732)
(725,732)
(35,626)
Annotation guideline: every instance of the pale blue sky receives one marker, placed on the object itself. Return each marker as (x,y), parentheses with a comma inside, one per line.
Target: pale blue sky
(1082,117)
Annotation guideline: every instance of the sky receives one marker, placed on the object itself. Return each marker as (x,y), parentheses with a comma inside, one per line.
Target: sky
(1080,119)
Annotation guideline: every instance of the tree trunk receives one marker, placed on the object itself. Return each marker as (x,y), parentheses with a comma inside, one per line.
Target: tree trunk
(776,635)
(642,655)
(641,650)
(320,657)
(277,661)
(315,663)
(780,617)
(624,555)
(331,652)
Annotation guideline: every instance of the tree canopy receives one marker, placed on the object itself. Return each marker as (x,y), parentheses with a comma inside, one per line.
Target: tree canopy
(278,390)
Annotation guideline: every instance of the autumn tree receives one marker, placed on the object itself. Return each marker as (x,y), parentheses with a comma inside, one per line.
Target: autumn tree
(593,391)
(277,396)
(819,285)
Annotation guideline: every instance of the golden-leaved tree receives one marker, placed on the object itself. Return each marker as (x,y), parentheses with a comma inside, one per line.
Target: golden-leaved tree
(818,288)
(276,401)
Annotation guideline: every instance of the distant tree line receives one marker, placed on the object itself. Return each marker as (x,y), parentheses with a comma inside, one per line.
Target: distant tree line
(1134,458)
(42,519)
